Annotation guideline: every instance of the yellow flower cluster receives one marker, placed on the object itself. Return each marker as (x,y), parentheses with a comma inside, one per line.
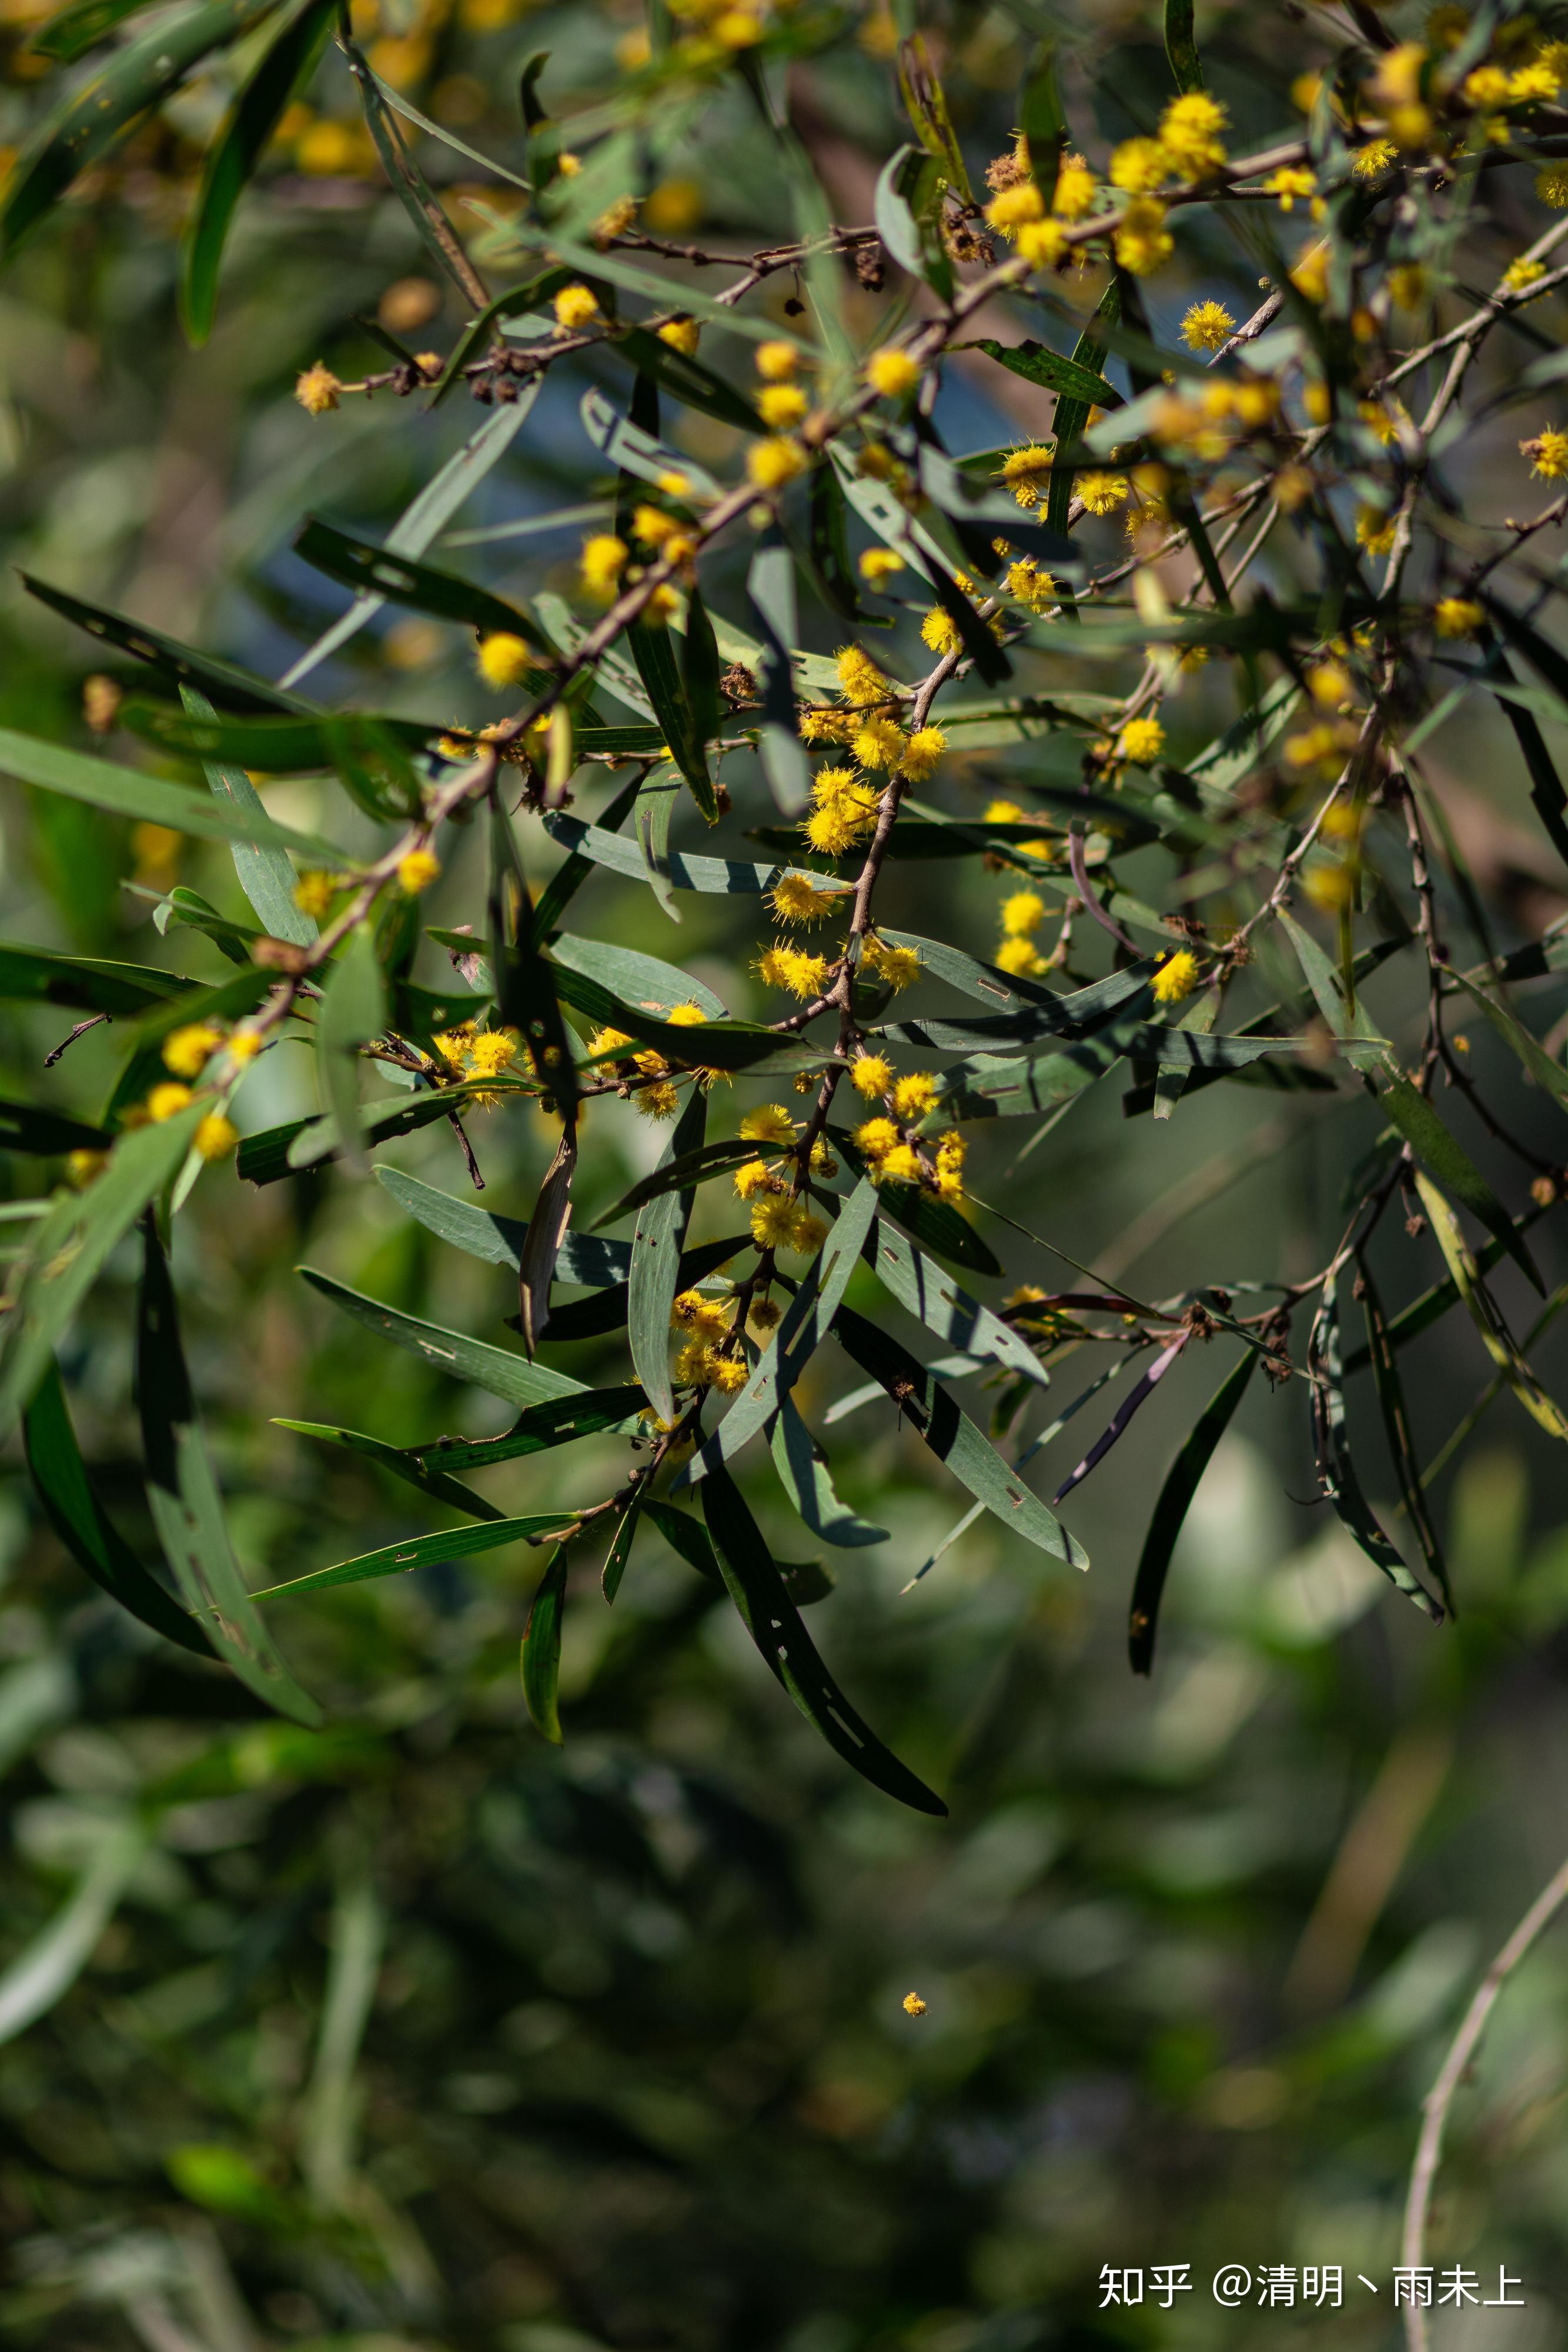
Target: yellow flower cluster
(1025,472)
(1022,913)
(704,1361)
(1206,326)
(843,808)
(795,899)
(477,1054)
(1548,454)
(1028,585)
(792,969)
(1176,978)
(899,967)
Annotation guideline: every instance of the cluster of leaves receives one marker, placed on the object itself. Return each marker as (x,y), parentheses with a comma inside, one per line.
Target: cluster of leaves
(1290,525)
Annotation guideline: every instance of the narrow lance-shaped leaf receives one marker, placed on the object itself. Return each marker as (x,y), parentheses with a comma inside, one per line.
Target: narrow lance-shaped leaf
(944,1306)
(1336,1471)
(771,591)
(1401,1441)
(655,1263)
(1181,48)
(1176,1496)
(1483,1311)
(422,1551)
(234,155)
(798,1459)
(620,1551)
(100,112)
(542,1251)
(1072,415)
(541,1647)
(495,1369)
(952,1436)
(539,1427)
(423,586)
(187,1508)
(232,688)
(404,1465)
(526,991)
(773,1622)
(265,875)
(353,1011)
(149,800)
(77,1516)
(1139,1394)
(802,1328)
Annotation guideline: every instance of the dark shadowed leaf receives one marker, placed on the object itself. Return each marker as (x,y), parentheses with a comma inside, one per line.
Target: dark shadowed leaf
(541,1647)
(1175,1500)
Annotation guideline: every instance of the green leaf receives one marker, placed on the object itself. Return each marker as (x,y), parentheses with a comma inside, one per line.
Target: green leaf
(305,1143)
(1038,363)
(642,980)
(944,1306)
(953,1437)
(700,669)
(405,1465)
(71,32)
(1396,1429)
(687,1168)
(230,686)
(801,1329)
(495,1369)
(724,876)
(927,107)
(145,1067)
(525,996)
(1430,1140)
(85,983)
(632,450)
(1336,1471)
(186,1505)
(773,1622)
(353,1011)
(499,1241)
(68,1247)
(371,570)
(907,212)
(1043,121)
(427,515)
(708,1044)
(607,1311)
(660,673)
(283,745)
(655,1263)
(77,1518)
(688,379)
(480,331)
(620,1551)
(420,1551)
(1539,1063)
(1170,1512)
(24,1127)
(930,1220)
(570,876)
(992,1086)
(1496,1337)
(541,1647)
(232,159)
(800,1463)
(265,876)
(1181,48)
(1072,415)
(149,800)
(101,111)
(557,1422)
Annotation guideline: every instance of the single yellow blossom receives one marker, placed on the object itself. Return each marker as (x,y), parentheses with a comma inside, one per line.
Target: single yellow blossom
(576,307)
(1206,326)
(1176,978)
(1457,616)
(682,334)
(416,869)
(504,659)
(892,373)
(770,464)
(187,1050)
(316,390)
(870,1074)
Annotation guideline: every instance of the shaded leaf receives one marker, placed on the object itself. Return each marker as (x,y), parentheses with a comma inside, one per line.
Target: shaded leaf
(708,1044)
(85,983)
(1336,1471)
(800,1464)
(620,1551)
(773,1622)
(495,1369)
(931,1220)
(149,800)
(655,1263)
(555,1422)
(1401,1442)
(1139,1394)
(770,592)
(1181,48)
(541,1647)
(584,1257)
(1181,1483)
(420,1551)
(727,877)
(368,569)
(402,1464)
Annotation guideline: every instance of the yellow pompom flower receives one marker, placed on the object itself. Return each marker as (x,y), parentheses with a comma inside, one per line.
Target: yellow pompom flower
(832,830)
(772,1221)
(892,373)
(1375,531)
(870,1075)
(880,563)
(1029,586)
(777,361)
(1139,166)
(602,561)
(659,1100)
(316,390)
(1022,912)
(770,464)
(576,307)
(1042,244)
(1520,275)
(1142,240)
(682,334)
(768,1123)
(416,870)
(245,1045)
(878,743)
(1021,959)
(860,680)
(808,1232)
(897,966)
(795,899)
(1289,185)
(781,405)
(1189,133)
(913,1095)
(1457,616)
(1206,326)
(940,632)
(728,1374)
(1369,162)
(1009,208)
(1025,471)
(922,751)
(1101,493)
(1074,191)
(314,893)
(216,1136)
(187,1050)
(504,659)
(166,1101)
(1141,740)
(1548,454)
(751,1178)
(899,1166)
(875,1137)
(1552,185)
(1176,978)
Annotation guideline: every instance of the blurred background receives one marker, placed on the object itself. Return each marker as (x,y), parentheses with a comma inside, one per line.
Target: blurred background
(416,2035)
